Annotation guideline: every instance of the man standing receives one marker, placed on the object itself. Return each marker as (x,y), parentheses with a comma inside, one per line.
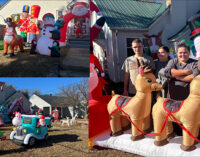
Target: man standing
(131,67)
(181,72)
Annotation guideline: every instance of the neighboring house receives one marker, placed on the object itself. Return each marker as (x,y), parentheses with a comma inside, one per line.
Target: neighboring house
(129,19)
(8,97)
(48,102)
(56,7)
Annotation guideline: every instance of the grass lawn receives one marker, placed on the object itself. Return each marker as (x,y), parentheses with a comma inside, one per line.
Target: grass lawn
(27,65)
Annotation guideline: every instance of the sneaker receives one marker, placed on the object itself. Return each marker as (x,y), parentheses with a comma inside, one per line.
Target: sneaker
(4,54)
(12,54)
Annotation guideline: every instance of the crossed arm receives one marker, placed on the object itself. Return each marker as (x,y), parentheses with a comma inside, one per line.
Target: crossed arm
(182,75)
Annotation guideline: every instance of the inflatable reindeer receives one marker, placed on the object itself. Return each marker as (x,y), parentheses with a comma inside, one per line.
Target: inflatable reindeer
(137,109)
(186,113)
(154,42)
(11,39)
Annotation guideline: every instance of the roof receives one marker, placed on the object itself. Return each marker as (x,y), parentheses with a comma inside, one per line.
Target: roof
(130,13)
(179,33)
(54,100)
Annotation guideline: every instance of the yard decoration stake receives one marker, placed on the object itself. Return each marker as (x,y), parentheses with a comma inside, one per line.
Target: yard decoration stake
(137,108)
(187,113)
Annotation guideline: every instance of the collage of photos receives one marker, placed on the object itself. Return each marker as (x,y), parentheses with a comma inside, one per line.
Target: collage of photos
(99,78)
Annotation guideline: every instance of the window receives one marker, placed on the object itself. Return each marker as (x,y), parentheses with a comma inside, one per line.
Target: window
(27,120)
(58,13)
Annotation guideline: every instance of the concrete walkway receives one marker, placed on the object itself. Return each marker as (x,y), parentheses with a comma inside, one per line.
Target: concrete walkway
(75,62)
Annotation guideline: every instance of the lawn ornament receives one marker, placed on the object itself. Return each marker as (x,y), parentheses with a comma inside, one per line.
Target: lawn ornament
(66,122)
(56,114)
(55,49)
(1,85)
(78,31)
(40,123)
(79,9)
(194,23)
(17,105)
(4,114)
(40,112)
(96,29)
(24,22)
(33,47)
(73,120)
(138,108)
(28,133)
(46,41)
(11,39)
(154,42)
(17,120)
(185,113)
(1,121)
(33,29)
(2,137)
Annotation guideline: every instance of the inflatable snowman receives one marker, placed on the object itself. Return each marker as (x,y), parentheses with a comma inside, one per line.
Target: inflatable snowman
(17,120)
(45,40)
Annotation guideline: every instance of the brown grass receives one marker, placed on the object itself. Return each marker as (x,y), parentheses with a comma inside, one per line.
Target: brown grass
(26,65)
(63,141)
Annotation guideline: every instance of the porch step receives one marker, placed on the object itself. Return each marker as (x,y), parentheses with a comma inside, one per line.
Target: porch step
(76,63)
(78,43)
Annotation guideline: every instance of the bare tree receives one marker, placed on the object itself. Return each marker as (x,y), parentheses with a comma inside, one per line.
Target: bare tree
(25,92)
(77,95)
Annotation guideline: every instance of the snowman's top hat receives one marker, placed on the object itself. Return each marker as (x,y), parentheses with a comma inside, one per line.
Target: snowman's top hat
(194,23)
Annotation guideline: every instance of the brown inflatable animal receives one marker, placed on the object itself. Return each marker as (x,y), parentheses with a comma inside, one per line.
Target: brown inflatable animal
(11,39)
(136,108)
(186,112)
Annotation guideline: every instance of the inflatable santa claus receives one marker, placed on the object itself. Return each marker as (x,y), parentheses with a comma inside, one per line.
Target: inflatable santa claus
(41,123)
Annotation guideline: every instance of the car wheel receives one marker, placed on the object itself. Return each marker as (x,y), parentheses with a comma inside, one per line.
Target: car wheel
(46,137)
(32,141)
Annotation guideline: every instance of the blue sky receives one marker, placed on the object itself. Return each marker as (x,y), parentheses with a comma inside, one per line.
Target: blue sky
(45,85)
(3,1)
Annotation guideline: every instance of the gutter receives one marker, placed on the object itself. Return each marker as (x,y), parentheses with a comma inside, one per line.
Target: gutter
(129,29)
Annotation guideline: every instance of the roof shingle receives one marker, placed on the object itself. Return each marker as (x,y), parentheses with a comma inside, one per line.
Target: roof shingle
(130,13)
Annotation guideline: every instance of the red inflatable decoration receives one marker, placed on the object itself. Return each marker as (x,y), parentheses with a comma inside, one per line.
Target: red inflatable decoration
(98,115)
(79,10)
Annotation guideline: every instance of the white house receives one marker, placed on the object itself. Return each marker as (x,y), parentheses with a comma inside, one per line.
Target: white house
(56,7)
(48,102)
(126,20)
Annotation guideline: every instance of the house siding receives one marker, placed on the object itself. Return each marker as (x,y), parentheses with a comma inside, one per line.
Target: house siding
(40,103)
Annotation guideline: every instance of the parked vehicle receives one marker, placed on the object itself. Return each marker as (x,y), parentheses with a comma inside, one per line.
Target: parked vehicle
(28,132)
